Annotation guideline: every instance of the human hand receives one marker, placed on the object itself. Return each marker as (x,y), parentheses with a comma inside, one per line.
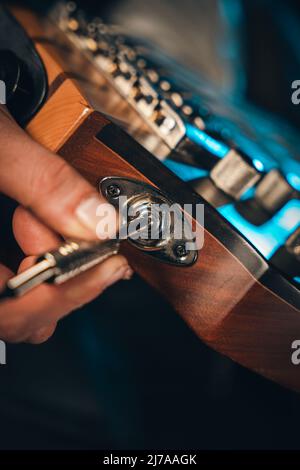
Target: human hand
(54,201)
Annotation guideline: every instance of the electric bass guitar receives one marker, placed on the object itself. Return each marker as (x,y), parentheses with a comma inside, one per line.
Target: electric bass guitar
(136,124)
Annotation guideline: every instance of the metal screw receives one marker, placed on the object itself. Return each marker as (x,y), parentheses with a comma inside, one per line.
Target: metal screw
(113,191)
(180,251)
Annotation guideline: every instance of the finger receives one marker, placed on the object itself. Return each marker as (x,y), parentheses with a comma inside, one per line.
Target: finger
(45,305)
(42,335)
(31,234)
(26,263)
(49,187)
(5,274)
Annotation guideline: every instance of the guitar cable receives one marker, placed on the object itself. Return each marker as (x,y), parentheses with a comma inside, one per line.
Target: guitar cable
(60,265)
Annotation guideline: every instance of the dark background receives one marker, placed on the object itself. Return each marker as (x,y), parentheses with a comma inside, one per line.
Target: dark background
(126,372)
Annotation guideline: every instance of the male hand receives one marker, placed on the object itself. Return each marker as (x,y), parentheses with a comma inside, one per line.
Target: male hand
(55,201)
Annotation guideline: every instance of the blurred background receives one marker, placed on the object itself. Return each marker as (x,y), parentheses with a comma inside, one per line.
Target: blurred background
(126,372)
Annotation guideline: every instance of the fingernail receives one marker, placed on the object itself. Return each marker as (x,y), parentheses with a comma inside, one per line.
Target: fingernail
(98,216)
(128,274)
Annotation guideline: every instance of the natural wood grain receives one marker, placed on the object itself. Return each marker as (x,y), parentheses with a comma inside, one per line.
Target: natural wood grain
(222,302)
(61,116)
(225,304)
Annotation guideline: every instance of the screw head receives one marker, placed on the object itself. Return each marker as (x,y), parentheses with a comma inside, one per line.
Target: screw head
(113,191)
(180,251)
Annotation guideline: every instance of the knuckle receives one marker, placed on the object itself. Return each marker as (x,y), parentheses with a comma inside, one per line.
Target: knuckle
(48,179)
(41,336)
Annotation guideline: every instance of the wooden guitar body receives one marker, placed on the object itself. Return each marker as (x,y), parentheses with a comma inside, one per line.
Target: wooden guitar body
(231,297)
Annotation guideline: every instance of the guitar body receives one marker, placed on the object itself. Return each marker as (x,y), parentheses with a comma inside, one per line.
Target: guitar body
(230,297)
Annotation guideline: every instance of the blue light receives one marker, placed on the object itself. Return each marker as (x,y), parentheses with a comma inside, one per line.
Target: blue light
(255,152)
(294,180)
(261,159)
(258,164)
(268,237)
(297,279)
(203,139)
(185,172)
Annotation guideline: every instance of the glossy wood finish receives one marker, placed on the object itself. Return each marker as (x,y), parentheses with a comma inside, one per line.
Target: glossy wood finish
(219,297)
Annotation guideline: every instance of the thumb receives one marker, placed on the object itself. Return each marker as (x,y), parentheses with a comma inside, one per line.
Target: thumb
(49,187)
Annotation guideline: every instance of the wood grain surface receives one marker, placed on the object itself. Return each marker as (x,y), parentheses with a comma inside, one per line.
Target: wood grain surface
(223,302)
